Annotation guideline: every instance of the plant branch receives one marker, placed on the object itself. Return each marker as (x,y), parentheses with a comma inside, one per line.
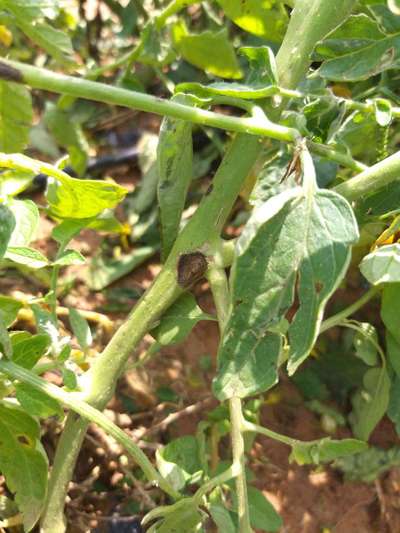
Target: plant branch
(40,78)
(93,415)
(371,179)
(337,319)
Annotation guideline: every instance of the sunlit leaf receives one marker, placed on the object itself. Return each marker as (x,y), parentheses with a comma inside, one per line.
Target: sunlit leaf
(382,265)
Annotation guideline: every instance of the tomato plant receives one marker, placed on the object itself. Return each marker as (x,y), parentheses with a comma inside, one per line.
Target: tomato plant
(297,99)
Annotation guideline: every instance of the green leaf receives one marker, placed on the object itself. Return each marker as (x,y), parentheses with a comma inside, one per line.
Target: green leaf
(26,216)
(370,403)
(7,225)
(174,160)
(179,320)
(393,411)
(294,242)
(15,116)
(382,265)
(68,229)
(69,379)
(23,462)
(9,307)
(365,343)
(394,6)
(27,352)
(102,273)
(325,450)
(260,83)
(357,50)
(69,257)
(75,198)
(182,516)
(369,465)
(222,519)
(80,328)
(54,42)
(390,309)
(36,402)
(26,256)
(265,18)
(210,51)
(179,460)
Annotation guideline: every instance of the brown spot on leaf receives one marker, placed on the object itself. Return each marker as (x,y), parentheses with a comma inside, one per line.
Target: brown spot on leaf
(191,268)
(10,73)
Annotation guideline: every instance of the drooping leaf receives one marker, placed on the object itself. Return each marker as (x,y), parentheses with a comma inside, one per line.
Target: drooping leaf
(15,116)
(26,216)
(260,83)
(23,461)
(294,242)
(9,307)
(27,352)
(210,51)
(76,198)
(325,450)
(23,255)
(358,49)
(7,225)
(370,403)
(382,265)
(265,18)
(81,328)
(174,160)
(183,516)
(178,321)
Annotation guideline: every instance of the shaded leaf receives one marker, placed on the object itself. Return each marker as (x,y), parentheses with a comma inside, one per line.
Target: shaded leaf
(7,225)
(179,320)
(365,343)
(80,328)
(179,460)
(9,307)
(27,352)
(36,402)
(222,518)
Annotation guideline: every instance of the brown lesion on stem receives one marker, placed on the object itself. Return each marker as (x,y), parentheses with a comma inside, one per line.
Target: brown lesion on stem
(8,73)
(191,268)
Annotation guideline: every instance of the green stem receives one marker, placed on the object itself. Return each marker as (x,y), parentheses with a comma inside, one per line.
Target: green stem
(255,428)
(40,78)
(202,228)
(171,9)
(228,474)
(53,283)
(371,179)
(236,417)
(93,415)
(329,153)
(337,319)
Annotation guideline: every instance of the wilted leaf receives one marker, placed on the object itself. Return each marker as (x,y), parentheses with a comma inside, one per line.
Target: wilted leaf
(23,462)
(175,161)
